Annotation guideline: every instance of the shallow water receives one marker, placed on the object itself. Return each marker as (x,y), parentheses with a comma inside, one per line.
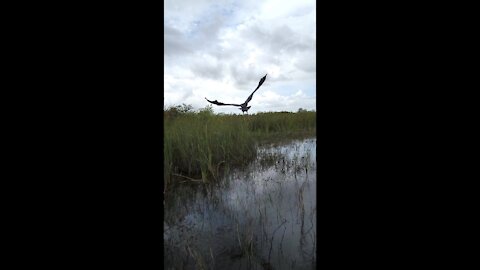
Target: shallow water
(261,217)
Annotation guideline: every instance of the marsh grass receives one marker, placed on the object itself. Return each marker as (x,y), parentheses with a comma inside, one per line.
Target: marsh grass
(200,145)
(263,221)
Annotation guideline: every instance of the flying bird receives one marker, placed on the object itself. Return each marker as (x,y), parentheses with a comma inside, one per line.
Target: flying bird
(243,106)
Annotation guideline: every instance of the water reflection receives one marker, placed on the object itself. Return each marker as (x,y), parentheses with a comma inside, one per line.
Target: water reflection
(261,217)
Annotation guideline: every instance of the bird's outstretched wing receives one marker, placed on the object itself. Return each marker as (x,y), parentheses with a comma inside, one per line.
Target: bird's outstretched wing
(259,84)
(221,103)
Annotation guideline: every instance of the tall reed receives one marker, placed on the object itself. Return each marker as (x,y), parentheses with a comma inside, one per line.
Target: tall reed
(199,145)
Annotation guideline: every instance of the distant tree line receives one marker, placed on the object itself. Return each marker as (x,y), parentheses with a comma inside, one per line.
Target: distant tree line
(182,109)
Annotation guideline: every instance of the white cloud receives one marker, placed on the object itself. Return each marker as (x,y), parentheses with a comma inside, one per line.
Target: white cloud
(221,49)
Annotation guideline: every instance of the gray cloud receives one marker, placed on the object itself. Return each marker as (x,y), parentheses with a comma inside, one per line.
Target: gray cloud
(208,69)
(306,62)
(175,42)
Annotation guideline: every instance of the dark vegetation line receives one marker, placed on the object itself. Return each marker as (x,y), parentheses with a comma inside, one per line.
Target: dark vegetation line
(201,145)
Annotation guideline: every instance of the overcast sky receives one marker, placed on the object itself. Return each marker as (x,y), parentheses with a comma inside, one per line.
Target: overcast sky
(221,49)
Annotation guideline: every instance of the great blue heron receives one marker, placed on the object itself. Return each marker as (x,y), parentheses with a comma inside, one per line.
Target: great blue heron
(243,106)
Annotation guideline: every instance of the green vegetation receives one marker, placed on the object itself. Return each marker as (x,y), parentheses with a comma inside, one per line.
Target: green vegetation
(200,145)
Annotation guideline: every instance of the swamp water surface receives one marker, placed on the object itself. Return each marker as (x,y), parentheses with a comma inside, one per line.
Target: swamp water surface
(260,217)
